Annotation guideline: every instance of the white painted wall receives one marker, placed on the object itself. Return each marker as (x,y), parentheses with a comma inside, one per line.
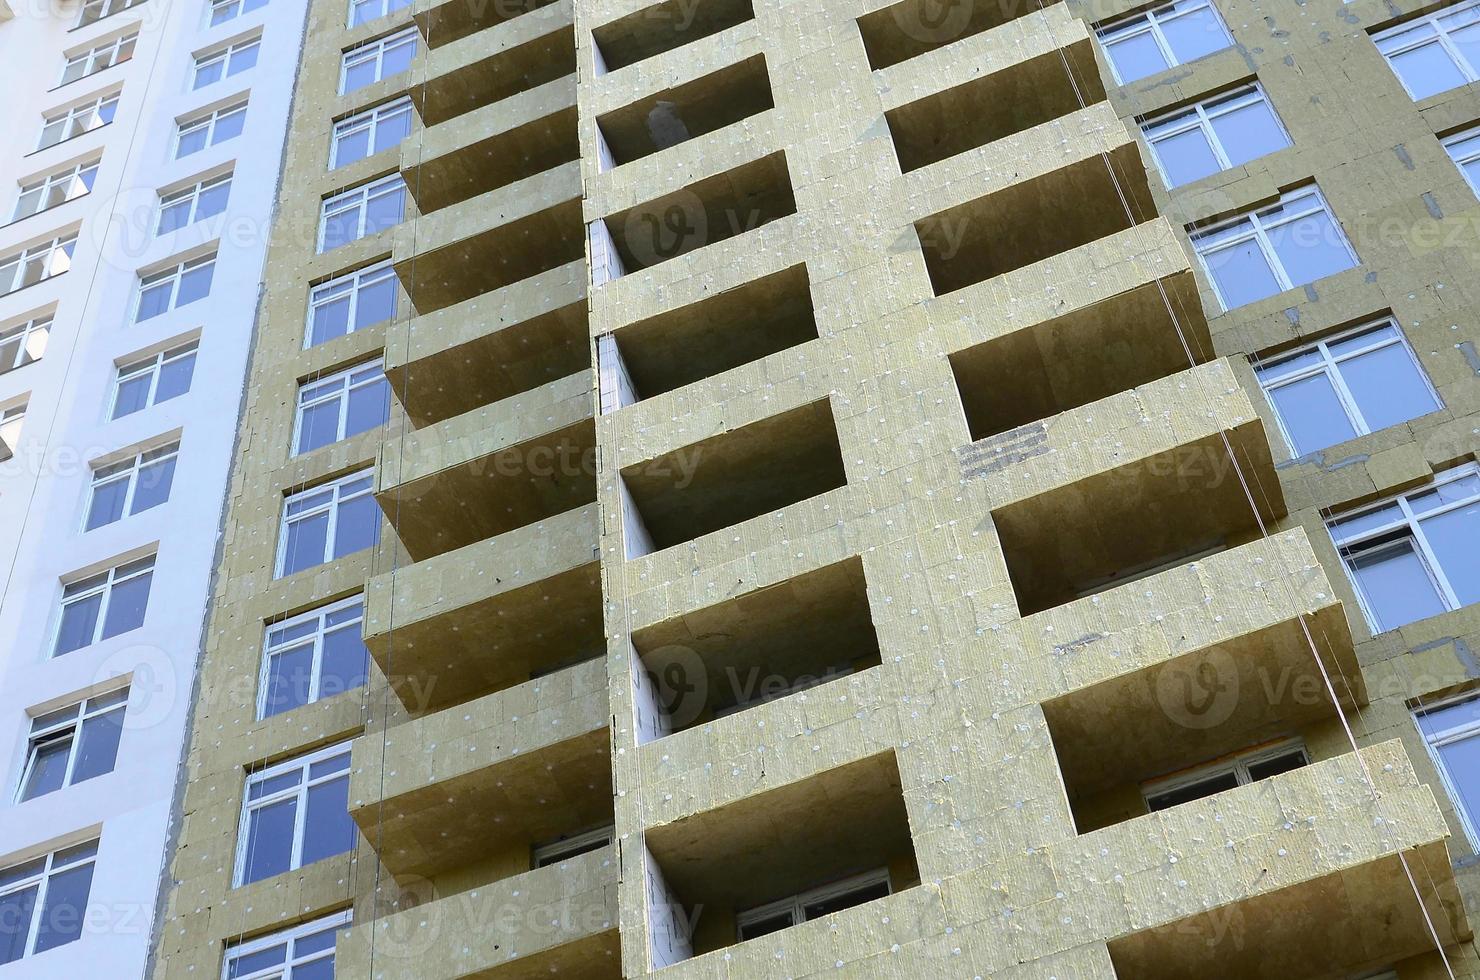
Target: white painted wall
(44,488)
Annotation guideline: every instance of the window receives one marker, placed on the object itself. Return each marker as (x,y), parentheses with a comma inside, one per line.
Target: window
(77,120)
(217,127)
(328,522)
(56,188)
(106,55)
(365,210)
(1435,53)
(152,380)
(295,813)
(1450,729)
(377,60)
(104,605)
(225,62)
(43,903)
(1242,769)
(788,912)
(313,656)
(343,404)
(37,263)
(96,10)
(351,302)
(304,952)
(197,202)
(364,11)
(1288,244)
(11,421)
(1172,34)
(131,486)
(72,744)
(23,343)
(224,10)
(369,132)
(1464,150)
(1417,555)
(1352,384)
(1215,135)
(172,288)
(568,847)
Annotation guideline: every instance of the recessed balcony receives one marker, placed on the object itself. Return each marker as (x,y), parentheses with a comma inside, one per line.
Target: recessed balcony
(687,111)
(492,65)
(445,21)
(911,28)
(661,27)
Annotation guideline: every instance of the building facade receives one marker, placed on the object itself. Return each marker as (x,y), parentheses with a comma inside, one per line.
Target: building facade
(761,488)
(142,161)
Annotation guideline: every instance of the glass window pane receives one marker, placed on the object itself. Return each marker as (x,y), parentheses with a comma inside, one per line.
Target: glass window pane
(1136,57)
(359,75)
(250,963)
(397,58)
(377,303)
(393,129)
(330,320)
(341,228)
(1388,387)
(289,679)
(1312,413)
(1467,39)
(1190,36)
(195,284)
(384,211)
(107,504)
(1310,248)
(352,147)
(1242,273)
(369,407)
(207,73)
(319,427)
(98,749)
(126,605)
(133,394)
(1427,70)
(229,126)
(1186,157)
(1249,132)
(79,622)
(1461,760)
(359,526)
(152,485)
(48,770)
(212,200)
(16,910)
(1193,791)
(1396,586)
(192,141)
(328,828)
(269,846)
(174,378)
(1455,539)
(1273,767)
(65,909)
(815,910)
(317,970)
(346,661)
(306,542)
(154,300)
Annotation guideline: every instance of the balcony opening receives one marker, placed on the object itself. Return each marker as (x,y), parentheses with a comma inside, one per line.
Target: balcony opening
(687,111)
(455,20)
(911,28)
(720,332)
(470,86)
(1132,522)
(495,258)
(663,27)
(711,210)
(991,107)
(1034,220)
(792,855)
(1081,357)
(760,646)
(498,160)
(733,477)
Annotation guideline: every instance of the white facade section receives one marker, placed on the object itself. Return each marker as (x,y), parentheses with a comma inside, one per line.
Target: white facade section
(65,431)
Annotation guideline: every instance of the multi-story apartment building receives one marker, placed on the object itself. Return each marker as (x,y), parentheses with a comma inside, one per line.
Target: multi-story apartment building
(768,488)
(142,155)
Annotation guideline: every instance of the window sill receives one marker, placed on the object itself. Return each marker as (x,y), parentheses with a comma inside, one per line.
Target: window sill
(45,210)
(83,78)
(69,139)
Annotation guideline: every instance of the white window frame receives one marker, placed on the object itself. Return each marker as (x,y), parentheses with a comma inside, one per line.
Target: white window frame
(71,115)
(361,197)
(112,578)
(13,417)
(354,282)
(1463,154)
(1238,765)
(1384,40)
(208,121)
(1149,22)
(128,469)
(35,326)
(82,711)
(1409,521)
(192,194)
(41,881)
(154,365)
(1433,743)
(92,56)
(553,852)
(223,55)
(286,938)
(172,275)
(1200,117)
(109,8)
(1330,367)
(331,534)
(797,903)
(347,384)
(375,51)
(317,615)
(1259,231)
(299,790)
(56,178)
(43,252)
(237,8)
(370,119)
